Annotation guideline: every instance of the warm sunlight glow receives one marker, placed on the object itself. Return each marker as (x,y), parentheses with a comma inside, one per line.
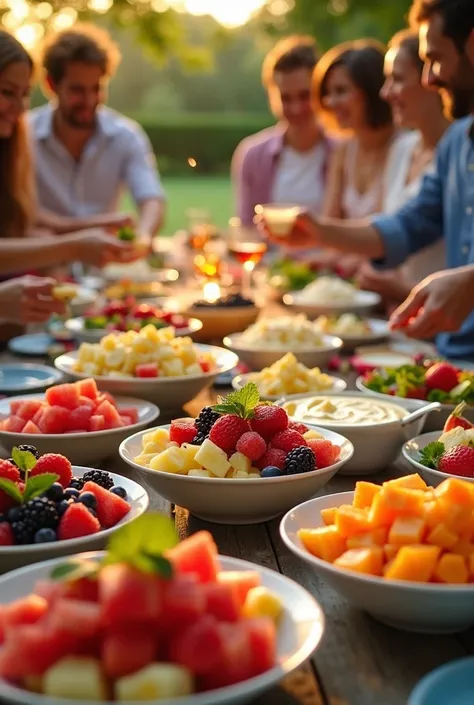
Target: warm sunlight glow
(211,291)
(30,34)
(230,13)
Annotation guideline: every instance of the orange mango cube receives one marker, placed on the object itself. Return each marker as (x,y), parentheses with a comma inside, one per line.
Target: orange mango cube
(451,569)
(411,482)
(328,515)
(390,551)
(456,491)
(394,501)
(351,520)
(362,560)
(377,537)
(433,513)
(463,547)
(441,536)
(471,566)
(325,542)
(364,494)
(416,563)
(406,530)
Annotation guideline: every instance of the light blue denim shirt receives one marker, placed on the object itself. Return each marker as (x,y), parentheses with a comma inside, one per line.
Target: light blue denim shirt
(118,155)
(444,207)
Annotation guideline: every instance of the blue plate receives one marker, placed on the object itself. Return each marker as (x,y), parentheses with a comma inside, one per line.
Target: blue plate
(35,344)
(452,684)
(22,377)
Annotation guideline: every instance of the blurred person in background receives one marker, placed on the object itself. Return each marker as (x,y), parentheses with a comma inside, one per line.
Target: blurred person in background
(85,153)
(286,163)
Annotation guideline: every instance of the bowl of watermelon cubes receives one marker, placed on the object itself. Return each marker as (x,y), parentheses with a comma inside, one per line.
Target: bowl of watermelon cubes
(240,462)
(50,508)
(73,419)
(164,622)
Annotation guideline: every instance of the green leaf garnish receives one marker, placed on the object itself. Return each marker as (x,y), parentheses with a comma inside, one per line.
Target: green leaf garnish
(431,454)
(75,570)
(11,489)
(25,460)
(241,403)
(160,565)
(37,485)
(134,543)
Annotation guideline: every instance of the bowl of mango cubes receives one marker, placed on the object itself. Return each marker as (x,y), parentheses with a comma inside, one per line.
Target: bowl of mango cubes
(152,364)
(401,551)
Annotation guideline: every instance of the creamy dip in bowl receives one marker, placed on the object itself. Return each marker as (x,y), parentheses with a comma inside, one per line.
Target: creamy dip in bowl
(344,410)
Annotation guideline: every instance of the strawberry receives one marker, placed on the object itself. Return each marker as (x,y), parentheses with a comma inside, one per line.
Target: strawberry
(227,430)
(8,471)
(325,452)
(298,426)
(269,420)
(54,463)
(6,534)
(458,461)
(77,521)
(455,419)
(442,376)
(182,431)
(252,445)
(274,457)
(288,440)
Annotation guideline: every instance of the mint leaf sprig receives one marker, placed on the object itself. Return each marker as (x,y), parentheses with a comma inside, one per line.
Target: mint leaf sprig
(34,486)
(241,403)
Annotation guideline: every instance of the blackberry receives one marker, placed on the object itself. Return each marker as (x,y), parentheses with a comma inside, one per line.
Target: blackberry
(38,513)
(31,449)
(204,422)
(100,477)
(77,483)
(301,459)
(10,460)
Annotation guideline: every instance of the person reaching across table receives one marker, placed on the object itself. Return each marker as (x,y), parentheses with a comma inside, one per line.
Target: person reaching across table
(28,300)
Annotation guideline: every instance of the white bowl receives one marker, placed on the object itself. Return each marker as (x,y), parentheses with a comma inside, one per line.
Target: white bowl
(82,301)
(378,333)
(140,272)
(299,634)
(338,385)
(12,557)
(171,393)
(411,453)
(435,421)
(417,607)
(362,303)
(239,501)
(376,446)
(93,335)
(258,358)
(80,448)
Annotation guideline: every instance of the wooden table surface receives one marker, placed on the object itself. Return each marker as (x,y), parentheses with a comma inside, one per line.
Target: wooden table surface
(359,662)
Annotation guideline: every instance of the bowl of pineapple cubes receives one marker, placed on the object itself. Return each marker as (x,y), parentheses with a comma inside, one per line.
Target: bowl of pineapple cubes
(401,551)
(240,462)
(152,364)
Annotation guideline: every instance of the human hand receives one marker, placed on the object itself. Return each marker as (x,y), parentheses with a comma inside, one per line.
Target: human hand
(438,304)
(115,221)
(303,233)
(390,285)
(29,300)
(98,248)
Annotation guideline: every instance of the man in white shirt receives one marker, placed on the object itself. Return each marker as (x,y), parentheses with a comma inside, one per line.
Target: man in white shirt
(85,152)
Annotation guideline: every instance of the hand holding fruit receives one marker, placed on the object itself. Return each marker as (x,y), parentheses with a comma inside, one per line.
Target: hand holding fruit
(28,300)
(96,247)
(116,221)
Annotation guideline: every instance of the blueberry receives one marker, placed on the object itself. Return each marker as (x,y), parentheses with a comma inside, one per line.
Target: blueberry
(13,514)
(271,471)
(62,506)
(45,536)
(71,493)
(120,492)
(55,492)
(89,499)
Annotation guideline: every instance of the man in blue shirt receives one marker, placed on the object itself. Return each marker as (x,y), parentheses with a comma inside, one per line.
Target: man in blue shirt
(444,206)
(84,152)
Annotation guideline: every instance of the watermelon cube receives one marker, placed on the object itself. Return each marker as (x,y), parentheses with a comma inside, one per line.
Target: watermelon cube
(13,424)
(131,412)
(26,610)
(87,388)
(109,510)
(28,409)
(241,580)
(222,601)
(54,419)
(79,418)
(263,639)
(184,602)
(235,665)
(110,414)
(105,396)
(80,619)
(126,420)
(85,401)
(128,649)
(128,596)
(96,423)
(16,404)
(31,427)
(196,554)
(199,647)
(66,395)
(147,370)
(30,650)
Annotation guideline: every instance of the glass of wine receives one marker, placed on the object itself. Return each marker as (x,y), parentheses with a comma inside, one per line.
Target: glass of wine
(247,247)
(200,228)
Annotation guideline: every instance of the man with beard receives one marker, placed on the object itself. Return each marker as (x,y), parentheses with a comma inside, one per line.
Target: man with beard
(84,151)
(444,206)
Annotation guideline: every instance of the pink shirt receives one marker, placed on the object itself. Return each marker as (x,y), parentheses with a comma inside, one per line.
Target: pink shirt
(254,166)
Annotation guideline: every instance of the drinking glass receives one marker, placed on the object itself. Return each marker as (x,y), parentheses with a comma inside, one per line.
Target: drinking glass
(247,247)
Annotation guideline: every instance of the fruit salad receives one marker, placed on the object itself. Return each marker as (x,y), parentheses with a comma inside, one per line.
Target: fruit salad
(430,381)
(148,353)
(284,332)
(349,324)
(68,408)
(239,438)
(159,621)
(402,530)
(42,502)
(289,376)
(130,315)
(453,452)
(289,275)
(329,290)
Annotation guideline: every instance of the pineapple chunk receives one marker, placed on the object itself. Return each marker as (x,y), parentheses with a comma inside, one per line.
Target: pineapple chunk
(144,460)
(312,434)
(238,474)
(190,451)
(161,435)
(154,448)
(455,437)
(261,602)
(212,458)
(254,475)
(239,461)
(75,678)
(199,473)
(175,460)
(155,682)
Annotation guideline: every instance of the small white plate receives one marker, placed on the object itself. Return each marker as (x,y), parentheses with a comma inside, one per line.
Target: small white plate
(26,377)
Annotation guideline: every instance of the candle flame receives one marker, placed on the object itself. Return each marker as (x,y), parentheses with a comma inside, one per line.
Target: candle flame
(192,162)
(211,291)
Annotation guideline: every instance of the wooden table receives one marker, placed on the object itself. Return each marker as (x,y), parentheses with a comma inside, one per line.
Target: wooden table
(360,662)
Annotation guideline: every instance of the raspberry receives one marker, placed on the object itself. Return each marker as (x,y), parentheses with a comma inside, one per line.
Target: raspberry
(287,440)
(269,420)
(299,460)
(6,502)
(8,471)
(252,445)
(55,463)
(325,452)
(77,521)
(6,534)
(273,457)
(298,426)
(227,430)
(182,431)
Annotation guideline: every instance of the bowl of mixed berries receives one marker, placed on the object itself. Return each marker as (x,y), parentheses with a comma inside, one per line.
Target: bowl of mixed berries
(127,314)
(240,462)
(50,508)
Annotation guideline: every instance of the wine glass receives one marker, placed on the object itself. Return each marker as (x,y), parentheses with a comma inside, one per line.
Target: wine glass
(247,247)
